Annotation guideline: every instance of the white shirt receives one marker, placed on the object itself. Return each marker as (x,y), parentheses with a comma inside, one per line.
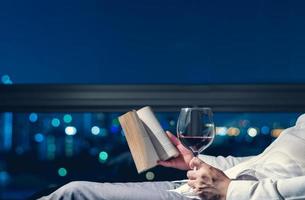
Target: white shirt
(277,173)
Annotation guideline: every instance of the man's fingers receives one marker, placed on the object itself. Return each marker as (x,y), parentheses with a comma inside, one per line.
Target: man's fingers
(191,174)
(197,163)
(165,163)
(173,138)
(191,183)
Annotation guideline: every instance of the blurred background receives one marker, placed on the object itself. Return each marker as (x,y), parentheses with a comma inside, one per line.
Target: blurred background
(141,43)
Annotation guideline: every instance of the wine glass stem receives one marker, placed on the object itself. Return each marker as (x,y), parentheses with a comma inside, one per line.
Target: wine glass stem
(195,153)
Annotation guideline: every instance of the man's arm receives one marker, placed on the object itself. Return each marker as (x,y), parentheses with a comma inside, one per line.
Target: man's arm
(212,184)
(223,163)
(185,156)
(292,188)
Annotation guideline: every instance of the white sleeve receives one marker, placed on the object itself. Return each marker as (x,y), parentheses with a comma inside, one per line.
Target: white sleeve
(223,163)
(292,188)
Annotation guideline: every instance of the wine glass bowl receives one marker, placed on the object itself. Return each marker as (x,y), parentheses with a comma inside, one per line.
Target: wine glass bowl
(195,128)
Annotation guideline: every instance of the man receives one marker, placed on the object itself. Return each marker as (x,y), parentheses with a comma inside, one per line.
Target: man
(277,173)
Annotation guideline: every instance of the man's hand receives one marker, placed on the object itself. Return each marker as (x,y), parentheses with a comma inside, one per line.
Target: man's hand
(208,182)
(184,158)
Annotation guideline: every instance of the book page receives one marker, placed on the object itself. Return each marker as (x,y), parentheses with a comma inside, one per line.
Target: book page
(164,147)
(140,145)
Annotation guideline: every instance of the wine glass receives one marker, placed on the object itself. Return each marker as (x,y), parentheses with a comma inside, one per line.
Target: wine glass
(195,128)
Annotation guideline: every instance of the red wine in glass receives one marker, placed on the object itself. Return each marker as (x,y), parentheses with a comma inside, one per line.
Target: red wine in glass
(195,128)
(196,143)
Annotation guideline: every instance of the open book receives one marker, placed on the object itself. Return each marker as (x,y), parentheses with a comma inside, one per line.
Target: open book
(146,139)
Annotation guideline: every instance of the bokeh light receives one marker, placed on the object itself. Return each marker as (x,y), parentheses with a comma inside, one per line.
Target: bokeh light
(70,130)
(4,178)
(233,131)
(67,118)
(6,79)
(95,130)
(265,130)
(115,126)
(222,131)
(115,122)
(55,122)
(150,176)
(103,156)
(252,132)
(33,117)
(172,122)
(39,137)
(62,171)
(276,132)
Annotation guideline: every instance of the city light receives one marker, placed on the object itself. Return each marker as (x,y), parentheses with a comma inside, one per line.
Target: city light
(114,129)
(115,122)
(62,171)
(221,131)
(103,156)
(233,131)
(95,130)
(6,79)
(33,117)
(39,137)
(4,178)
(172,123)
(55,122)
(67,118)
(150,176)
(115,126)
(265,130)
(70,130)
(252,132)
(276,132)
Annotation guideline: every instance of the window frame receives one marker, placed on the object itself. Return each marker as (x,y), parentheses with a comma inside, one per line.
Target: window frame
(117,98)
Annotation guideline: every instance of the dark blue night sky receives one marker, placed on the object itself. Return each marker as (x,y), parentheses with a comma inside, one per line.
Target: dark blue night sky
(156,41)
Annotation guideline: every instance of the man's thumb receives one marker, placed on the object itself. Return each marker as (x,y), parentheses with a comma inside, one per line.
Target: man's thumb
(173,138)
